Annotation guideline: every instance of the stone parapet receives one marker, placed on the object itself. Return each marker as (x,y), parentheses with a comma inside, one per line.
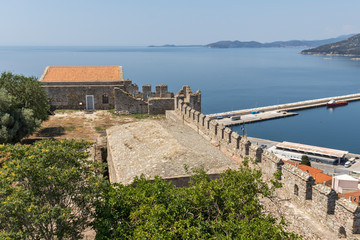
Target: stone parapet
(323,201)
(255,152)
(296,171)
(244,147)
(197,117)
(227,133)
(347,215)
(191,115)
(202,120)
(235,141)
(221,132)
(299,187)
(213,129)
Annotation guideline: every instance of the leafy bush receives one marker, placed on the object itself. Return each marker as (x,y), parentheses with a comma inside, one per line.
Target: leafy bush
(47,190)
(227,207)
(23,106)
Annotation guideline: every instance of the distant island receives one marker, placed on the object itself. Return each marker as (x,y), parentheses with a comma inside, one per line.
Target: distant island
(254,44)
(347,47)
(173,45)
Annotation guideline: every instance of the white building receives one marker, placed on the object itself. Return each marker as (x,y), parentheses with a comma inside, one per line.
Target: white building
(344,183)
(295,151)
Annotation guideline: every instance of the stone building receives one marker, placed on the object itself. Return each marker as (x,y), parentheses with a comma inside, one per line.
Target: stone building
(104,87)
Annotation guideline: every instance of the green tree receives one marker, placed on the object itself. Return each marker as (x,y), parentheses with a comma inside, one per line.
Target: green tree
(15,123)
(305,160)
(23,106)
(28,93)
(47,189)
(224,208)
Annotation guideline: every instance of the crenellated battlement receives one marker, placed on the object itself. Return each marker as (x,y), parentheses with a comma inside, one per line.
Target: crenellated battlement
(298,186)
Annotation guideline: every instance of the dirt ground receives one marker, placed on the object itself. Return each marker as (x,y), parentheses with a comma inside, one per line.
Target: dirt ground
(82,125)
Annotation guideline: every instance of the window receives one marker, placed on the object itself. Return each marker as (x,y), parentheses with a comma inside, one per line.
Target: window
(105,99)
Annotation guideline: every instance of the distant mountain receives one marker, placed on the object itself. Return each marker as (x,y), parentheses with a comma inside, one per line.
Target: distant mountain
(292,43)
(173,45)
(347,47)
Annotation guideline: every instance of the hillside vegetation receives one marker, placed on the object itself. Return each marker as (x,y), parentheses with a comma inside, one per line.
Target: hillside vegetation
(347,47)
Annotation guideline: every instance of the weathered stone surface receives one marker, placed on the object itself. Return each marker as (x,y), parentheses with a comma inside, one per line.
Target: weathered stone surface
(74,96)
(213,128)
(126,103)
(160,148)
(160,105)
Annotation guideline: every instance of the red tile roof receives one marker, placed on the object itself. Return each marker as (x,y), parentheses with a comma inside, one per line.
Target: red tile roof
(320,178)
(83,74)
(316,173)
(355,196)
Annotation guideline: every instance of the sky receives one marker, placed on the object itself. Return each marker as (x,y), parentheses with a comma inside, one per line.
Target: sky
(157,22)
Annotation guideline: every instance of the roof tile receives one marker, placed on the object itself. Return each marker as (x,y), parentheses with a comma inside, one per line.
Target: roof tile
(83,74)
(355,196)
(316,173)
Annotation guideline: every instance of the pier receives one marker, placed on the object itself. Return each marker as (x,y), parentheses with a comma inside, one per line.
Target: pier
(275,111)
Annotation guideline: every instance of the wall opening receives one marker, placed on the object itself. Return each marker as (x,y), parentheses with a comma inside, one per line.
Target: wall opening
(296,190)
(309,185)
(247,149)
(342,232)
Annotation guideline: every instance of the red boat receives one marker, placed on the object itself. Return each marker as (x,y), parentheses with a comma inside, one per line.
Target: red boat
(333,103)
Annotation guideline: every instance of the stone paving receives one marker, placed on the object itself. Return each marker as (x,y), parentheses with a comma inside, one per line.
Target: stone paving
(160,148)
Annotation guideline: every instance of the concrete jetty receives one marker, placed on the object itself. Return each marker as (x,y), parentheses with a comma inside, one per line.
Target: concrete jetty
(275,111)
(257,117)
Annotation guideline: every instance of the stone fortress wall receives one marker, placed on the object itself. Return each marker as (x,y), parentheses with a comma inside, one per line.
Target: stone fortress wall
(129,99)
(319,200)
(123,96)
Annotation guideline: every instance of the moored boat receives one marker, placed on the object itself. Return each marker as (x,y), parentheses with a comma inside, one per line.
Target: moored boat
(333,103)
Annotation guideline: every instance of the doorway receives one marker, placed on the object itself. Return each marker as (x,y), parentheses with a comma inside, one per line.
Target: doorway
(89,102)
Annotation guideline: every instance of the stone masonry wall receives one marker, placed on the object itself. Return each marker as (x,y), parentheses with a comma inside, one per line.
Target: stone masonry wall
(127,103)
(297,184)
(74,97)
(111,167)
(159,105)
(321,202)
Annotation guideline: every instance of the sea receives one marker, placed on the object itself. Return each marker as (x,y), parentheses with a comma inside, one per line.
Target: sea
(229,79)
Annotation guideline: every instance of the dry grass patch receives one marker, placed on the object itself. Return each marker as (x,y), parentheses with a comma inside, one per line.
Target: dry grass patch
(82,125)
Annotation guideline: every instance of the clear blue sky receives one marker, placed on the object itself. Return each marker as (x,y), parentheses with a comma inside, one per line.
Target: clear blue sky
(145,22)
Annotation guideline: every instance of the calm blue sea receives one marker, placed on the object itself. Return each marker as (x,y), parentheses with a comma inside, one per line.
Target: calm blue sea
(229,79)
